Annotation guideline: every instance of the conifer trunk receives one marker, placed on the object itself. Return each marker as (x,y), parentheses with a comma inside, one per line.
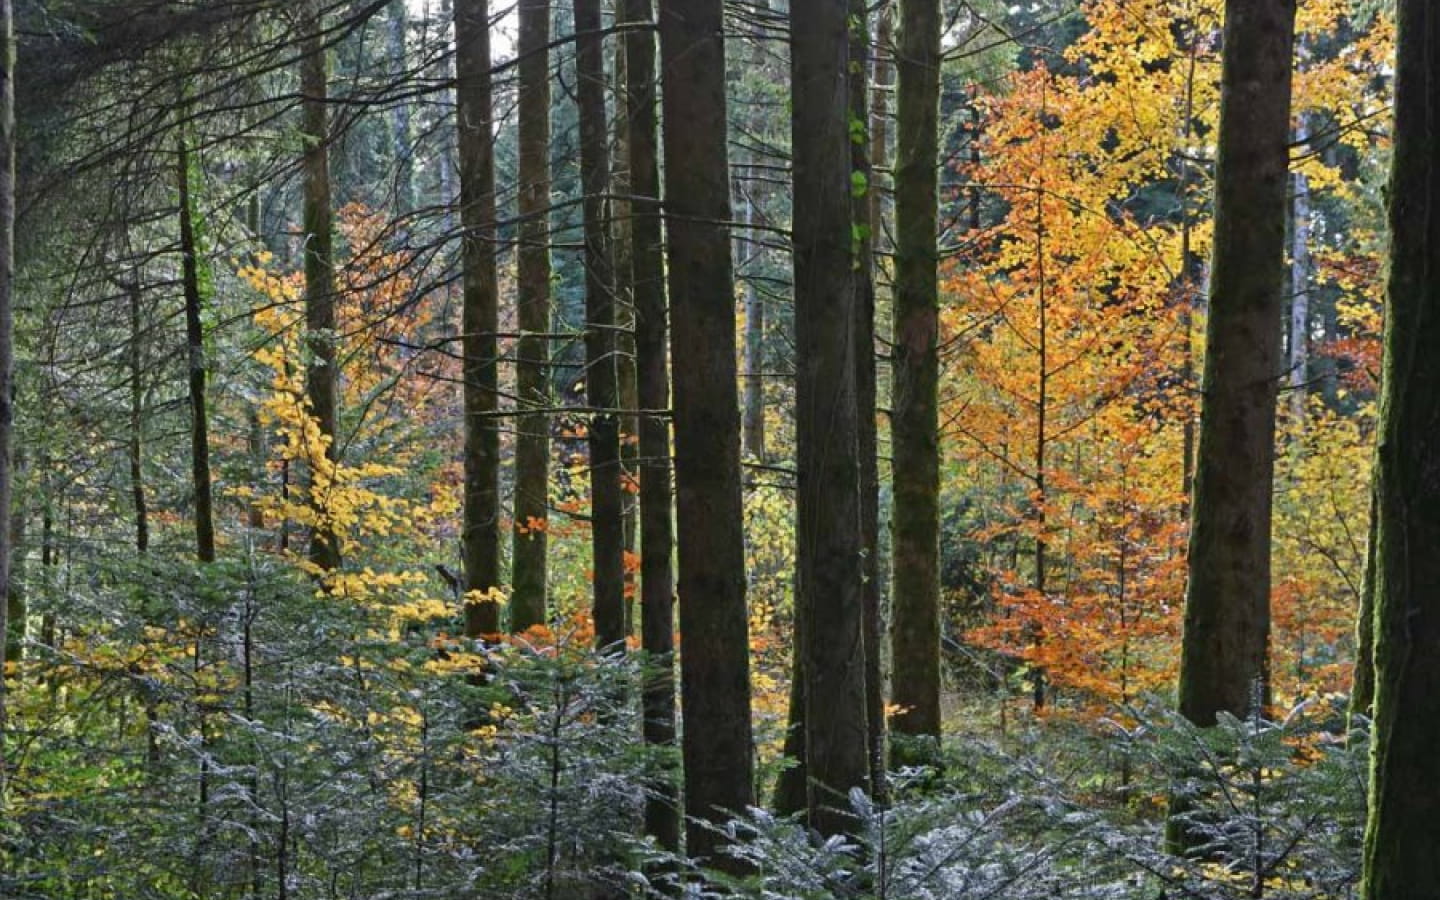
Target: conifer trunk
(607,505)
(321,378)
(195,342)
(1227,610)
(1400,859)
(715,653)
(480,314)
(135,445)
(400,141)
(657,583)
(914,403)
(866,224)
(7,325)
(830,511)
(529,562)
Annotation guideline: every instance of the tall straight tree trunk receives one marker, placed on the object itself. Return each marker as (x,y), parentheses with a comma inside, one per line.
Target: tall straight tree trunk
(1300,287)
(400,140)
(529,564)
(444,155)
(864,224)
(7,321)
(17,600)
(717,748)
(1223,664)
(914,403)
(829,531)
(752,418)
(627,387)
(480,317)
(135,449)
(195,345)
(657,583)
(1400,859)
(321,377)
(607,505)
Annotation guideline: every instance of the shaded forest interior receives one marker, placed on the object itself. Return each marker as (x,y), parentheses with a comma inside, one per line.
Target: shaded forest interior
(767,448)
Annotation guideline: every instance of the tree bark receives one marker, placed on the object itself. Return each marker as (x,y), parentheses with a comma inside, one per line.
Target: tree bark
(195,344)
(529,548)
(1223,663)
(1300,285)
(400,140)
(914,402)
(135,448)
(607,505)
(1400,862)
(321,377)
(1362,685)
(865,224)
(7,321)
(17,610)
(830,510)
(657,583)
(715,654)
(480,316)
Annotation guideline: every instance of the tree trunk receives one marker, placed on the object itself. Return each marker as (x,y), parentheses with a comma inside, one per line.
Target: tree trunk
(657,584)
(718,749)
(1362,686)
(914,403)
(321,377)
(1300,285)
(480,317)
(865,225)
(621,214)
(752,417)
(1227,606)
(830,511)
(607,507)
(16,601)
(1400,862)
(529,563)
(195,343)
(7,322)
(400,140)
(136,442)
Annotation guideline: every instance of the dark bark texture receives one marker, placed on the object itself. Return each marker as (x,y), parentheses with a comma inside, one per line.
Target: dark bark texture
(1223,663)
(657,582)
(529,565)
(321,377)
(830,546)
(866,223)
(715,658)
(195,341)
(607,506)
(914,403)
(480,315)
(1401,862)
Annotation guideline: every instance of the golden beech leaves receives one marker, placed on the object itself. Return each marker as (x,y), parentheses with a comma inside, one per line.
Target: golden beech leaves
(1073,332)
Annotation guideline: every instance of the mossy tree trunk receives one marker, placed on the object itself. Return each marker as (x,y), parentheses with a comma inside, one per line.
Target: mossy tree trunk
(866,225)
(1400,861)
(914,402)
(830,547)
(530,546)
(480,315)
